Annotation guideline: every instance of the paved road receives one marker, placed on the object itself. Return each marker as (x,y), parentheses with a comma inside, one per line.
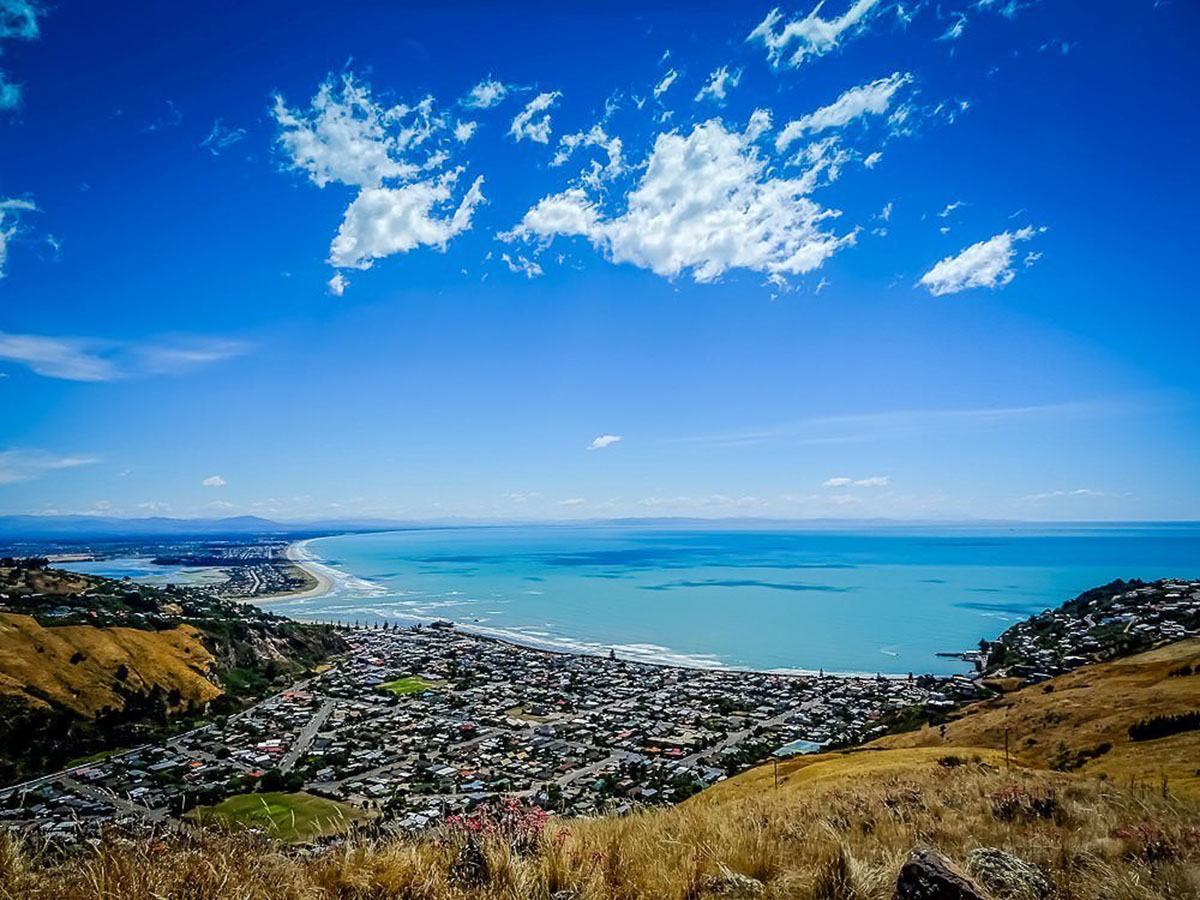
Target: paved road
(306,735)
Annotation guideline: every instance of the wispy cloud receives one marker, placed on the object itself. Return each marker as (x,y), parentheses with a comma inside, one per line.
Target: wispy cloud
(213,481)
(88,359)
(1051,495)
(812,36)
(842,481)
(26,465)
(861,427)
(604,440)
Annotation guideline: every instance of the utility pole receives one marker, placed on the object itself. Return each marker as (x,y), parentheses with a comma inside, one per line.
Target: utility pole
(776,761)
(1006,764)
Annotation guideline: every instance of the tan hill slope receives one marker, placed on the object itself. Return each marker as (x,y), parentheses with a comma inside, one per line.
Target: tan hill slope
(1080,721)
(87,669)
(1026,834)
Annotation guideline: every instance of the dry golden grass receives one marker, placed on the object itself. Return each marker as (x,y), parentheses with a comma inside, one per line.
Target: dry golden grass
(1085,709)
(37,657)
(840,839)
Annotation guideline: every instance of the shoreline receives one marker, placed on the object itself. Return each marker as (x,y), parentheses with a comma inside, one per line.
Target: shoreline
(297,555)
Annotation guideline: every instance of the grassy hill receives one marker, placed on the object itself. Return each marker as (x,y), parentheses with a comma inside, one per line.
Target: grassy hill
(87,669)
(1080,721)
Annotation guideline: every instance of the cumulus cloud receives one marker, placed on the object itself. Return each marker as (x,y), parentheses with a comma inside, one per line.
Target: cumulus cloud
(383,221)
(26,465)
(486,94)
(604,440)
(985,264)
(10,214)
(594,137)
(213,481)
(81,359)
(533,122)
(464,131)
(707,202)
(812,35)
(719,83)
(396,157)
(865,99)
(346,136)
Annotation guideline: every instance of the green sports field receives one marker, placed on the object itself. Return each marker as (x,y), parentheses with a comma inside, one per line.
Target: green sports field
(289,817)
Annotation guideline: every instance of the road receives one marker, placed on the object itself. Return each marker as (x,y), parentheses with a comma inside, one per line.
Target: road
(305,737)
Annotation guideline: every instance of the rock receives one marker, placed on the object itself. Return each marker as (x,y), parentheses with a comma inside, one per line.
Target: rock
(729,883)
(927,875)
(1008,875)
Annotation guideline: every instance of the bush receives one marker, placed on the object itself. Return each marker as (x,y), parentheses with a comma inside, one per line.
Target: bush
(1164,726)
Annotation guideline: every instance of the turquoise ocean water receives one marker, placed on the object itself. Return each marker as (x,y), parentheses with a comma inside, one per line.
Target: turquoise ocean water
(881,600)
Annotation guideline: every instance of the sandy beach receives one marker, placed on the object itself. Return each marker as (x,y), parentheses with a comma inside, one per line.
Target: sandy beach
(298,556)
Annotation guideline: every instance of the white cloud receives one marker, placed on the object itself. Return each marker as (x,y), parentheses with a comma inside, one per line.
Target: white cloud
(18,21)
(604,440)
(26,465)
(222,138)
(525,125)
(719,83)
(812,35)
(338,284)
(667,81)
(956,29)
(521,265)
(842,481)
(865,99)
(573,501)
(985,264)
(595,137)
(80,359)
(1051,495)
(213,481)
(346,137)
(950,207)
(10,212)
(464,131)
(383,221)
(873,159)
(486,94)
(706,203)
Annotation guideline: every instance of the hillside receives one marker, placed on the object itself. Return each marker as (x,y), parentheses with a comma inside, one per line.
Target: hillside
(1025,835)
(88,669)
(89,664)
(1080,721)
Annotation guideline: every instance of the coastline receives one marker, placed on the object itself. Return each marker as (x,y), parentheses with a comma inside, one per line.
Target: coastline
(297,555)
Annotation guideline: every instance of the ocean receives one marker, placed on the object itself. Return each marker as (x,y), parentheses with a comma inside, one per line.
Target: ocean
(883,600)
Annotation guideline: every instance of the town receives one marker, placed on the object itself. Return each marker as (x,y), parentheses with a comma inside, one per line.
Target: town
(1118,618)
(417,723)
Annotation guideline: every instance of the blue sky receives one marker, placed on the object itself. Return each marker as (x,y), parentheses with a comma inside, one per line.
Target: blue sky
(909,260)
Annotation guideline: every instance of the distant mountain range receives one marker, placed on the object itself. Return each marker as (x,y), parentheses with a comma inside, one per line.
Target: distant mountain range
(35,527)
(38,527)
